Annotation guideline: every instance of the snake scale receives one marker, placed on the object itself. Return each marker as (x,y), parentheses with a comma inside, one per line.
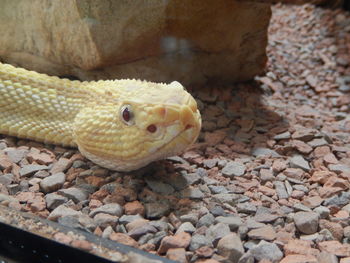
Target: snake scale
(121,125)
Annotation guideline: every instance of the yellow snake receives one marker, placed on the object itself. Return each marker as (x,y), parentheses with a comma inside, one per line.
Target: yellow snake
(118,124)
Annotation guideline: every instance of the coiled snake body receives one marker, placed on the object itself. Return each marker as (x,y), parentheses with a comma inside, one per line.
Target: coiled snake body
(119,124)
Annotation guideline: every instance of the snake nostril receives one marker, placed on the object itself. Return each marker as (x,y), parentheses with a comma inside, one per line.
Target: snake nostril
(152,128)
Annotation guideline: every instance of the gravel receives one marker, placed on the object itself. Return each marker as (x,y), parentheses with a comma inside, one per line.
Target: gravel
(271,168)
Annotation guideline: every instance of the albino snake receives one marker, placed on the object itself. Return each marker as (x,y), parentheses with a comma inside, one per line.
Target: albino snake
(118,124)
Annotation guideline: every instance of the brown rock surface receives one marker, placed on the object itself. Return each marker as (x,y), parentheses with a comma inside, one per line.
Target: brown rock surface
(137,39)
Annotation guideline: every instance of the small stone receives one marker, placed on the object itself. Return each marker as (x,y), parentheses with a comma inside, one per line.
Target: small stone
(264,233)
(30,169)
(62,211)
(297,161)
(177,254)
(281,190)
(103,220)
(52,183)
(246,208)
(54,200)
(230,247)
(266,250)
(111,209)
(206,220)
(215,232)
(6,179)
(160,187)
(124,239)
(186,227)
(296,246)
(198,241)
(335,247)
(339,168)
(234,222)
(205,252)
(156,210)
(282,136)
(318,142)
(125,219)
(233,169)
(306,222)
(133,208)
(136,233)
(262,152)
(325,257)
(76,194)
(181,240)
(338,200)
(323,212)
(16,155)
(299,259)
(192,193)
(335,228)
(61,165)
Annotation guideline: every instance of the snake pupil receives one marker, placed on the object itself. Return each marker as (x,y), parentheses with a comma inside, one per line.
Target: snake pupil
(152,128)
(126,114)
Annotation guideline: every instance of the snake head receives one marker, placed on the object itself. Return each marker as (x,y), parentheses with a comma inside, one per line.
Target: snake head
(134,123)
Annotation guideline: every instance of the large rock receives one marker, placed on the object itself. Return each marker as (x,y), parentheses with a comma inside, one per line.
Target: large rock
(189,41)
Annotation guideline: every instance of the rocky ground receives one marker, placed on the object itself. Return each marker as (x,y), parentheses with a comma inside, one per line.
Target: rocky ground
(268,181)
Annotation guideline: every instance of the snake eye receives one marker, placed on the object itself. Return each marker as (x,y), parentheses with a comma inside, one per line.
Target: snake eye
(152,128)
(126,114)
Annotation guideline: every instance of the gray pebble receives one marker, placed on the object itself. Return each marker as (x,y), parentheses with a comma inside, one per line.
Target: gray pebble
(323,211)
(104,220)
(306,222)
(234,222)
(230,247)
(233,169)
(298,161)
(156,210)
(125,219)
(339,168)
(54,200)
(192,218)
(282,136)
(261,152)
(206,220)
(73,193)
(217,189)
(159,187)
(215,232)
(6,179)
(186,227)
(52,183)
(62,211)
(192,193)
(340,200)
(30,169)
(111,209)
(246,208)
(266,250)
(198,241)
(136,233)
(281,190)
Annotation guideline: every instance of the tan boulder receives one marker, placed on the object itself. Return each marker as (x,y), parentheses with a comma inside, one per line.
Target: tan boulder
(189,41)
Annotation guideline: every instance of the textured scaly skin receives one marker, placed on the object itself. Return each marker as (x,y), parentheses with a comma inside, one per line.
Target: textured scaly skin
(88,115)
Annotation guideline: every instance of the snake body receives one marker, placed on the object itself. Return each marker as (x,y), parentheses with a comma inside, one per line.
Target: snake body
(118,124)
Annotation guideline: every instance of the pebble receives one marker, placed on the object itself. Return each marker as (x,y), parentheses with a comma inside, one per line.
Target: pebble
(266,250)
(73,193)
(297,161)
(233,169)
(30,169)
(111,209)
(215,232)
(52,183)
(54,200)
(181,240)
(186,227)
(230,247)
(198,241)
(206,220)
(265,233)
(234,222)
(62,211)
(159,187)
(306,222)
(156,210)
